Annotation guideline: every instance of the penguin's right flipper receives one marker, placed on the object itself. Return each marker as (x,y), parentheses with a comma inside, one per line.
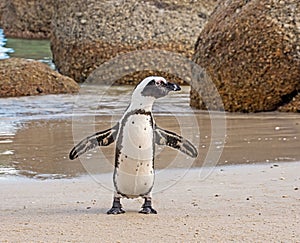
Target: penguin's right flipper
(102,138)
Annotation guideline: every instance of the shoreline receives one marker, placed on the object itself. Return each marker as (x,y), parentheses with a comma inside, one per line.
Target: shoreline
(258,202)
(273,137)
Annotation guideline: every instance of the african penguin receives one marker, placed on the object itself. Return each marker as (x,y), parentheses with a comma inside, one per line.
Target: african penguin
(136,135)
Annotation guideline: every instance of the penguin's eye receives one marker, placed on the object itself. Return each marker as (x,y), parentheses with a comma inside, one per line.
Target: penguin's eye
(160,83)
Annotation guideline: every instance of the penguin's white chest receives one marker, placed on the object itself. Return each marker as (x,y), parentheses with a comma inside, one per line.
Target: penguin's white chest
(137,141)
(134,175)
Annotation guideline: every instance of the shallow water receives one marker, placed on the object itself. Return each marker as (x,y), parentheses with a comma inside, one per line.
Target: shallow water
(23,48)
(37,133)
(33,49)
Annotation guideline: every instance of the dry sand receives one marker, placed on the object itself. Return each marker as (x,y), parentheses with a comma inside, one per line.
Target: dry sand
(249,203)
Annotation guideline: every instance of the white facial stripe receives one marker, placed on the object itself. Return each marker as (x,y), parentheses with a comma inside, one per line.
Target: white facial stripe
(144,83)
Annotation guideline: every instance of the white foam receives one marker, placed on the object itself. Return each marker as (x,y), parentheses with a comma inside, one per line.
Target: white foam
(7,152)
(6,141)
(8,171)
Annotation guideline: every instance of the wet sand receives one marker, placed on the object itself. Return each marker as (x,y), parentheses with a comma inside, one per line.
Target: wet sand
(249,203)
(40,148)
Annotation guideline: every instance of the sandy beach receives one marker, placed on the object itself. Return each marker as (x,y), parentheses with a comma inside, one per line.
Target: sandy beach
(251,196)
(249,203)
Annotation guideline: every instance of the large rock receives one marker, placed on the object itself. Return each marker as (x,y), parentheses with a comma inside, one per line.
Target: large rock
(2,4)
(27,18)
(21,77)
(87,33)
(251,51)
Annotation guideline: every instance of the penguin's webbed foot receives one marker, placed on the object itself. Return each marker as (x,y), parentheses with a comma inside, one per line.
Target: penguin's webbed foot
(148,210)
(147,207)
(116,207)
(116,210)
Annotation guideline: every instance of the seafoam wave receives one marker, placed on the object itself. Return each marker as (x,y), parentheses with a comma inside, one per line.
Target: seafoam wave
(3,50)
(8,171)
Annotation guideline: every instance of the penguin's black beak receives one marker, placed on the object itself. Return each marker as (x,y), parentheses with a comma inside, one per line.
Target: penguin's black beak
(173,87)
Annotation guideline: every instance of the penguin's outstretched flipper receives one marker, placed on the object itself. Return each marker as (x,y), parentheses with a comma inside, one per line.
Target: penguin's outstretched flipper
(171,139)
(102,138)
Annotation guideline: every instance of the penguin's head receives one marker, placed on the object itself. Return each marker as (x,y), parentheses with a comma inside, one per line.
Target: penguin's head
(155,87)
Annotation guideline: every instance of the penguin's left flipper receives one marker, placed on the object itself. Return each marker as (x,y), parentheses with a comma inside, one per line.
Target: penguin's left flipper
(171,139)
(102,138)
